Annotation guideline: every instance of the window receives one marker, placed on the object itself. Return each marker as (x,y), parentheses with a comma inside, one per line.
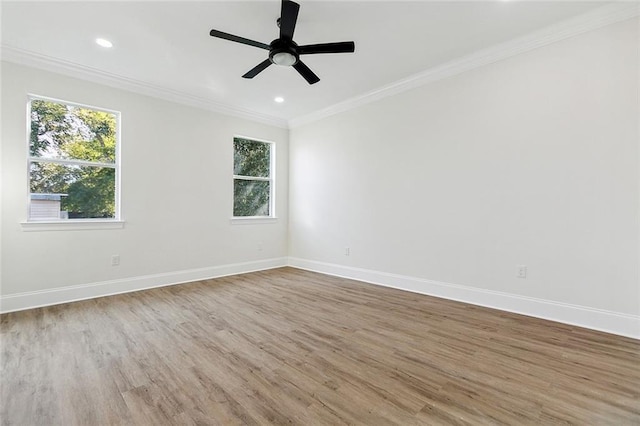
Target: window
(73,161)
(252,178)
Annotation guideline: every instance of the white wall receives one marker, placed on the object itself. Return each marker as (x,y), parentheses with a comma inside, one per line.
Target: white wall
(531,160)
(176,195)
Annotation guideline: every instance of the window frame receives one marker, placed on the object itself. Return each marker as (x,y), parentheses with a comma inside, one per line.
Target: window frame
(271,179)
(78,223)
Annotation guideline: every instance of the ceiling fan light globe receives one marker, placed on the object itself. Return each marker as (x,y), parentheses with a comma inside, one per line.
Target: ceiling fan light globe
(285,59)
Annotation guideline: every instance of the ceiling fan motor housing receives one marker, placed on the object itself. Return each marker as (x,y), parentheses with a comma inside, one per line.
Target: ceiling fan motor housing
(283,52)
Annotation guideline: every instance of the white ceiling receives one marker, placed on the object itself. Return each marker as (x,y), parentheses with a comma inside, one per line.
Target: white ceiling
(167,44)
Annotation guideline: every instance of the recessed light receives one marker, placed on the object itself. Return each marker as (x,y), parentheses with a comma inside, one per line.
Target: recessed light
(104,42)
(279,99)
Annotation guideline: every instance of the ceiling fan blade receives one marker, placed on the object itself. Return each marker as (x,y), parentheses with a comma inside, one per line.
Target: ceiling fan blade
(341,47)
(288,18)
(257,69)
(237,39)
(306,73)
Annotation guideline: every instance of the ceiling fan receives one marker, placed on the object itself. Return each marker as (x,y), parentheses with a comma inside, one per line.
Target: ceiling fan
(283,50)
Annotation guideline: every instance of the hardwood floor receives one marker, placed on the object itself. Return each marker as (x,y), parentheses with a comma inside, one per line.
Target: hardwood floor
(292,347)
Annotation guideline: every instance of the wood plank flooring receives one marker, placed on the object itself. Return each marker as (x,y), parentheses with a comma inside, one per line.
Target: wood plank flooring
(292,347)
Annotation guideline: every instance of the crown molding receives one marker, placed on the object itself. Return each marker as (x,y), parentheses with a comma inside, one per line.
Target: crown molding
(589,21)
(72,69)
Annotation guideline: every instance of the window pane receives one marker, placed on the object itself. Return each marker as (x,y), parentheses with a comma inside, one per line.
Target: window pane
(251,158)
(71,132)
(75,192)
(250,198)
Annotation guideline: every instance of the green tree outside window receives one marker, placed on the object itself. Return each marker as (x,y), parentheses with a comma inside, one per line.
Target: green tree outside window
(252,181)
(73,154)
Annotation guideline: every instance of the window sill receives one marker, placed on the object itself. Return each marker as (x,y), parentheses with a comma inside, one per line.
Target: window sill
(252,220)
(71,225)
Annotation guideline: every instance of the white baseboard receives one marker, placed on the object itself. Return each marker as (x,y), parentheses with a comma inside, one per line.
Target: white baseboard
(582,316)
(35,299)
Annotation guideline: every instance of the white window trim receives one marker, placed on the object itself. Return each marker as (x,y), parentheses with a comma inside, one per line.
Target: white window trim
(250,220)
(73,224)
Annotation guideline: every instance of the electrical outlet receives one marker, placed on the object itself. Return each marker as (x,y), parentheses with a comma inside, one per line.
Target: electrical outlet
(259,246)
(521,271)
(347,251)
(115,260)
